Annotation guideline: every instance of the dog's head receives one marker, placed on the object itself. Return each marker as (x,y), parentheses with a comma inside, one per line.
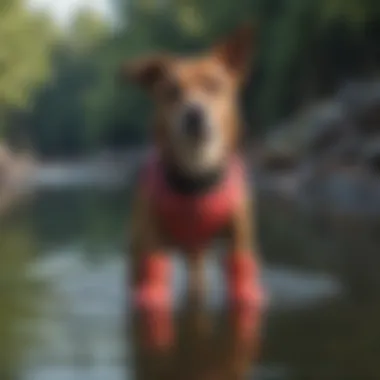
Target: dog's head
(196,100)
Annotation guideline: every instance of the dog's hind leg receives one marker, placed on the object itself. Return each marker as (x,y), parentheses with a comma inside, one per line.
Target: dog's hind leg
(197,281)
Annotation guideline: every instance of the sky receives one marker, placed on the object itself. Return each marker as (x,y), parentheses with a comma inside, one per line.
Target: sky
(62,10)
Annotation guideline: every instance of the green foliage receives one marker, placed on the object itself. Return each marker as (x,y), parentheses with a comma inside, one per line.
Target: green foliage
(304,50)
(25,42)
(297,48)
(354,13)
(59,123)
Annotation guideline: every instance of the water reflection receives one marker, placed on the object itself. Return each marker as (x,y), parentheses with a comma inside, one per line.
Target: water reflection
(20,296)
(345,245)
(199,346)
(63,298)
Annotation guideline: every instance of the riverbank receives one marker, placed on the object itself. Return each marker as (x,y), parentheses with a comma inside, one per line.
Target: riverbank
(104,170)
(16,169)
(343,191)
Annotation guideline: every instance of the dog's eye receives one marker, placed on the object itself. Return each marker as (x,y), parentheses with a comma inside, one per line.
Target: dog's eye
(211,85)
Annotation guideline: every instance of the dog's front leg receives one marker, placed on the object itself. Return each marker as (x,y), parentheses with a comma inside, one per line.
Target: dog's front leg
(242,261)
(151,265)
(151,273)
(244,291)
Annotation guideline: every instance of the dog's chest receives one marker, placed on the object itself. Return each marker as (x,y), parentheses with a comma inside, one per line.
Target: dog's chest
(193,221)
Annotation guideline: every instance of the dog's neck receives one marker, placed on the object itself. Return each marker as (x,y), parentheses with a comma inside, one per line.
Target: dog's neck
(194,184)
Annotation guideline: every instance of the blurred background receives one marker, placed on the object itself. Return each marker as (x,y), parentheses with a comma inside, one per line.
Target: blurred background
(71,139)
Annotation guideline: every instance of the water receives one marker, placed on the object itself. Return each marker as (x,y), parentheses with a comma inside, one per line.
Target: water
(64,298)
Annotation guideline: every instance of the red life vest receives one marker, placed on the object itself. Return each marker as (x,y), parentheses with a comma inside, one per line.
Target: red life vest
(192,220)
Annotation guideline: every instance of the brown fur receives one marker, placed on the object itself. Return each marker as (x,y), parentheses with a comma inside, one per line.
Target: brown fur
(215,78)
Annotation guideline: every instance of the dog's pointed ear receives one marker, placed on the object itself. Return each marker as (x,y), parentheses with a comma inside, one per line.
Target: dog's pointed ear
(145,72)
(236,51)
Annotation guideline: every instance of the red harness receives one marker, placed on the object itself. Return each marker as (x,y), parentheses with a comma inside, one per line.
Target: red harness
(193,220)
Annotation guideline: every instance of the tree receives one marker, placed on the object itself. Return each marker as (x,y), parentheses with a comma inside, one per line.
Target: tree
(303,51)
(25,44)
(59,119)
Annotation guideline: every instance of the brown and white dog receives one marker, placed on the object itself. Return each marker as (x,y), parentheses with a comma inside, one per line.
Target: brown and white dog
(193,186)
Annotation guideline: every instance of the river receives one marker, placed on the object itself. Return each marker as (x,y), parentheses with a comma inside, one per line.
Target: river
(64,298)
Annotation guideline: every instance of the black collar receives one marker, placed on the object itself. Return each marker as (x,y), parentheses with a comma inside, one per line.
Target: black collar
(185,184)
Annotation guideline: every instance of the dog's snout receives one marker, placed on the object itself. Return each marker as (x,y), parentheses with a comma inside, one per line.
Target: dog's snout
(194,122)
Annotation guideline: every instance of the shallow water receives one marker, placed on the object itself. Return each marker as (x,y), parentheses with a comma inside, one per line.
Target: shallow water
(64,298)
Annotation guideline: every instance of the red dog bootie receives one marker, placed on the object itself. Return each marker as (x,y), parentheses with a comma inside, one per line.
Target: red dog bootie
(154,292)
(153,299)
(243,282)
(245,295)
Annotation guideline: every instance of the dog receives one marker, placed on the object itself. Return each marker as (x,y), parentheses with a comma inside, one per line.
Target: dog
(193,187)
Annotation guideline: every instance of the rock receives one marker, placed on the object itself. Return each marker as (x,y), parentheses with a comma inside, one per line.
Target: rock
(371,153)
(279,151)
(362,105)
(326,126)
(333,148)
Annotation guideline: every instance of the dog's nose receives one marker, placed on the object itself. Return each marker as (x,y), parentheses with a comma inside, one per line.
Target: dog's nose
(194,122)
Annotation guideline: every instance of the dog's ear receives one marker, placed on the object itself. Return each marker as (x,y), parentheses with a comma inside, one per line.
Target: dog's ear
(236,51)
(145,72)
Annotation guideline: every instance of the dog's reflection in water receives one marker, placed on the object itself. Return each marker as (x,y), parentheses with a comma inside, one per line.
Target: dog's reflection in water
(197,345)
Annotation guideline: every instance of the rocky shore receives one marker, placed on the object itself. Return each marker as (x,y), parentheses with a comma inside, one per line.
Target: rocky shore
(328,156)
